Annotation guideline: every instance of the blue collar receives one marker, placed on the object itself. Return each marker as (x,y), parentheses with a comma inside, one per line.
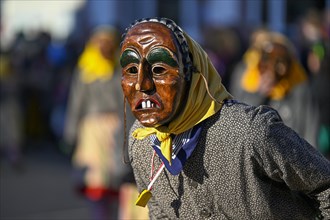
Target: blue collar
(182,147)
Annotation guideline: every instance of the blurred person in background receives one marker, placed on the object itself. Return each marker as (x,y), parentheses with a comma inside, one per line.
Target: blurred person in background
(271,74)
(30,61)
(311,39)
(320,86)
(94,124)
(315,46)
(11,130)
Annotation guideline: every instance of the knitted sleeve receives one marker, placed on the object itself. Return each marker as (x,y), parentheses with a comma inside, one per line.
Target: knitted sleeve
(288,158)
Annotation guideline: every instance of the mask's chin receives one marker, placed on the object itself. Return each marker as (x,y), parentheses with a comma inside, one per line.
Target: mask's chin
(147,121)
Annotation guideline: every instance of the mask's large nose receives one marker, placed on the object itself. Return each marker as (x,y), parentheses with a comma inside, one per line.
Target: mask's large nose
(145,81)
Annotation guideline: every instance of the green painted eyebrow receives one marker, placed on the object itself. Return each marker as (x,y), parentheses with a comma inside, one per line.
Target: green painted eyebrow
(129,56)
(161,55)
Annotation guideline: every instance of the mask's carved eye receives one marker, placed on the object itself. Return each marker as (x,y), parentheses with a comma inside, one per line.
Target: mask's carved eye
(132,70)
(158,70)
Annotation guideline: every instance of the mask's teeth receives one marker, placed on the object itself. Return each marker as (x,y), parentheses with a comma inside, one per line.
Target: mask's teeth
(148,104)
(144,105)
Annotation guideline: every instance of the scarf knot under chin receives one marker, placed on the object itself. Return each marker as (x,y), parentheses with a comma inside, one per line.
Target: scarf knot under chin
(164,138)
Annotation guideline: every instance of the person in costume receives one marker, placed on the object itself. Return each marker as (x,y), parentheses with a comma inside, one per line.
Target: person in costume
(94,125)
(198,153)
(271,74)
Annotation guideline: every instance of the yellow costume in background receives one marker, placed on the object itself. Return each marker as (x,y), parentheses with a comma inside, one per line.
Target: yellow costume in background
(251,77)
(94,66)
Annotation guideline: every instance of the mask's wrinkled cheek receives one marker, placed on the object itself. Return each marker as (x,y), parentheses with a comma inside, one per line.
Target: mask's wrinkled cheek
(128,90)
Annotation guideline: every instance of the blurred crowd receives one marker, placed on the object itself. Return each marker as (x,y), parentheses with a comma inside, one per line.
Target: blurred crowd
(290,73)
(52,92)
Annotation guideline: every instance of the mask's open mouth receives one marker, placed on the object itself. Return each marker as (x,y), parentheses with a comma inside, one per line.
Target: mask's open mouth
(147,104)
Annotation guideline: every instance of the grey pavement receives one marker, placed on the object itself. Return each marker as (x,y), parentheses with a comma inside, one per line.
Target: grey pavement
(42,190)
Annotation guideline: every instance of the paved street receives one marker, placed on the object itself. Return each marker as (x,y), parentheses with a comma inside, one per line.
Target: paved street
(42,190)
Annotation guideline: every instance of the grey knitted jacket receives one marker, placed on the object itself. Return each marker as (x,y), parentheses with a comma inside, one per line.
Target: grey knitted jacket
(247,165)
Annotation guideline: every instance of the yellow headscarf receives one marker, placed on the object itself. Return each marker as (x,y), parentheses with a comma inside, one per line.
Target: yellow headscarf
(200,105)
(251,78)
(92,64)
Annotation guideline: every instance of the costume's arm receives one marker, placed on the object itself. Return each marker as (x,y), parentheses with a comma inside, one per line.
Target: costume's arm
(289,158)
(74,109)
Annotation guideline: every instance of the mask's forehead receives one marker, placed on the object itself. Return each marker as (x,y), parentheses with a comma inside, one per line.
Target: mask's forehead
(150,34)
(177,37)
